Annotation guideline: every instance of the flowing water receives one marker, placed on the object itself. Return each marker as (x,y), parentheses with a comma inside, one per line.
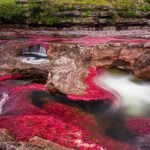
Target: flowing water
(23,98)
(34,54)
(133,94)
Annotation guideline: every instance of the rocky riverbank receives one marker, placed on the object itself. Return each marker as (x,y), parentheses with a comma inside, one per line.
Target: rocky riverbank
(48,99)
(83,15)
(8,142)
(73,56)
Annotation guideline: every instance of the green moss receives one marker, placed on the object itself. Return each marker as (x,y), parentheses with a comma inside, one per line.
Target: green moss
(112,20)
(84,2)
(145,8)
(49,20)
(10,10)
(34,8)
(128,8)
(7,1)
(87,13)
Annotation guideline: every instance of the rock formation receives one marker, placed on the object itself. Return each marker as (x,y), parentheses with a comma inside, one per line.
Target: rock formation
(71,58)
(41,118)
(8,142)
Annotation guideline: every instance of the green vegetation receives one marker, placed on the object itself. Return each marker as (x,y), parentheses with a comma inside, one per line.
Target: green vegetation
(118,3)
(84,2)
(10,10)
(6,1)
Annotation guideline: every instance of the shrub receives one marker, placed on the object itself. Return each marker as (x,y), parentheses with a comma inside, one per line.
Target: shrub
(45,10)
(11,12)
(34,8)
(127,7)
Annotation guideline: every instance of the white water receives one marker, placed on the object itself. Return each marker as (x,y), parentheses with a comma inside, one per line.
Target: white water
(2,101)
(35,49)
(33,60)
(133,98)
(37,52)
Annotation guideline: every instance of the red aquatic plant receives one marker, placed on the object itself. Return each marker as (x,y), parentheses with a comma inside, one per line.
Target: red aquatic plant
(90,41)
(26,127)
(93,92)
(26,120)
(61,123)
(139,125)
(55,121)
(10,76)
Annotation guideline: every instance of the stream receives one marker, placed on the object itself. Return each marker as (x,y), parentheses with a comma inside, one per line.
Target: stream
(28,109)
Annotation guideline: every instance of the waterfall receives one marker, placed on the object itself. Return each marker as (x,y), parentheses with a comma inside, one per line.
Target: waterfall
(35,50)
(35,54)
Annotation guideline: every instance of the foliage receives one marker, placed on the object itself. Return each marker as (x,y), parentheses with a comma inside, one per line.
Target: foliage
(112,20)
(145,7)
(6,1)
(45,11)
(127,7)
(84,2)
(11,11)
(34,8)
(148,1)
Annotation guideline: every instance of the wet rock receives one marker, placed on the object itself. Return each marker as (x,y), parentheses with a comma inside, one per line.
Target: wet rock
(143,61)
(69,13)
(70,58)
(132,57)
(67,71)
(143,142)
(17,146)
(63,124)
(8,142)
(142,65)
(45,144)
(130,22)
(5,135)
(68,68)
(93,92)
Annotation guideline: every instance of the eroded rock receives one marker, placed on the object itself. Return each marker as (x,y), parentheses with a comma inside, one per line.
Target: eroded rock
(68,68)
(8,142)
(71,58)
(46,144)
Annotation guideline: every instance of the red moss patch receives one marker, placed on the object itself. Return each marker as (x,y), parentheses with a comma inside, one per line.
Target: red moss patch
(63,124)
(25,127)
(11,76)
(139,125)
(93,92)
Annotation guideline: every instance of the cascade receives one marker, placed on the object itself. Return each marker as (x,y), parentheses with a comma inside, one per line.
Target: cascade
(35,50)
(34,54)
